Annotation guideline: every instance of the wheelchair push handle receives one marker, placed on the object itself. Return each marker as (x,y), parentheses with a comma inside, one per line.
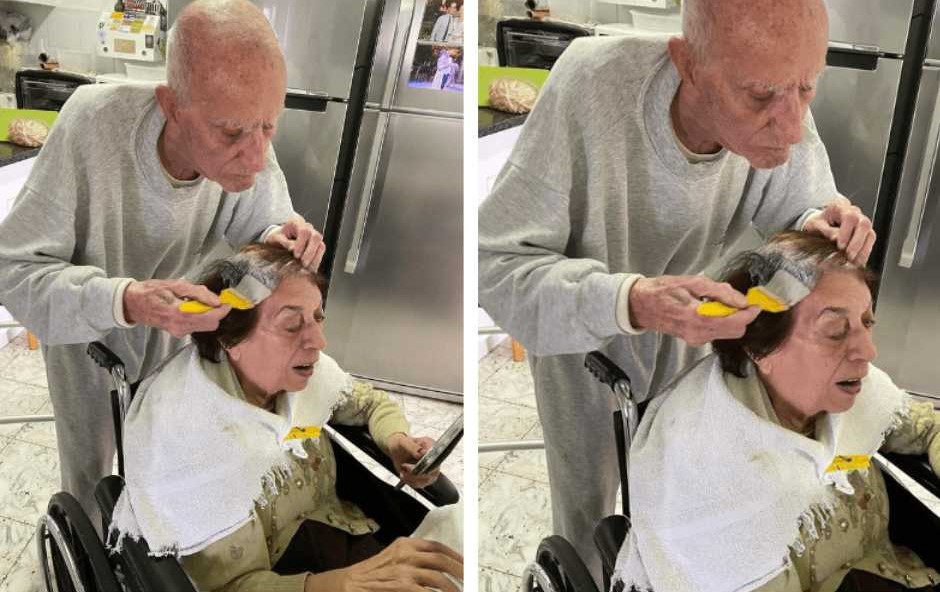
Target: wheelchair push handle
(605,370)
(103,356)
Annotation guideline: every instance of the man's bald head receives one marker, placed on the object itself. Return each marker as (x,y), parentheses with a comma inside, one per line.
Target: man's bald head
(221,44)
(718,26)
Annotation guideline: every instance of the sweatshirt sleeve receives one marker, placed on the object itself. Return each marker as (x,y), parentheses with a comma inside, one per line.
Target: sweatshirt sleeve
(799,188)
(550,302)
(918,433)
(239,563)
(366,405)
(38,283)
(258,211)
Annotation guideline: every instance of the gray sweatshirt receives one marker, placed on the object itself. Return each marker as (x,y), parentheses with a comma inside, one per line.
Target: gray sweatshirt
(597,191)
(98,210)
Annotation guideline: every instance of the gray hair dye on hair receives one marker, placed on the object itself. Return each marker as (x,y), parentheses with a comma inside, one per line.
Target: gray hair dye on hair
(270,265)
(805,256)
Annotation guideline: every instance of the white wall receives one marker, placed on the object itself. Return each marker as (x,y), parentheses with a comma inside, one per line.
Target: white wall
(68,33)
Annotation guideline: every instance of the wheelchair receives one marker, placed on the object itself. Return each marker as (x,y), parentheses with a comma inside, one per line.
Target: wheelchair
(558,567)
(72,557)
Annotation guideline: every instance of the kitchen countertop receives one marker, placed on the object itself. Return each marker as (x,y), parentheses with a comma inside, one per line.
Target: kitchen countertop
(492,121)
(10,153)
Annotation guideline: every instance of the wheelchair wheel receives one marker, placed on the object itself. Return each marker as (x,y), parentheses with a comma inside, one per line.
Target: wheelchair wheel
(557,568)
(71,556)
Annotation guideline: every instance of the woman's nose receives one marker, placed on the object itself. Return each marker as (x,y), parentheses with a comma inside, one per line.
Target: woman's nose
(314,337)
(863,349)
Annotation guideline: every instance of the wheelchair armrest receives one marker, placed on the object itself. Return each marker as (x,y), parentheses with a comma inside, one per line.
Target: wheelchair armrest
(440,493)
(609,535)
(912,524)
(143,573)
(917,468)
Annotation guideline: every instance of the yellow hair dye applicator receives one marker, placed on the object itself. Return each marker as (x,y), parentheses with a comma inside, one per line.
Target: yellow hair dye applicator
(245,294)
(789,283)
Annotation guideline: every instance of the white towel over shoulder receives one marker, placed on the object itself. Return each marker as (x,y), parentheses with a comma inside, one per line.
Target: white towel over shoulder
(198,458)
(718,492)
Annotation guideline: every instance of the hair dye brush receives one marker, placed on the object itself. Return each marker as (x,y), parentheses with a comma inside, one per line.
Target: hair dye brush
(781,284)
(246,292)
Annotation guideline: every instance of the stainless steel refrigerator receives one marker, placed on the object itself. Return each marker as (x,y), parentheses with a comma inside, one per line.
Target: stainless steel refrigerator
(875,111)
(908,330)
(375,161)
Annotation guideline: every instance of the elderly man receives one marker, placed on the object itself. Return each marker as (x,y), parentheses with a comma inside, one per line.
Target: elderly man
(642,161)
(135,185)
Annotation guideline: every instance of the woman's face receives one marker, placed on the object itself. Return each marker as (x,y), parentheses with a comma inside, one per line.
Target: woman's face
(279,354)
(820,365)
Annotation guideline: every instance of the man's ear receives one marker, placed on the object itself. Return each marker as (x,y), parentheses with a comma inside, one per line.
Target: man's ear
(166,98)
(681,55)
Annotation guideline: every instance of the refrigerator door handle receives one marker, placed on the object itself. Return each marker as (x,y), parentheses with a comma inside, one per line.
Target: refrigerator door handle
(402,29)
(924,186)
(365,202)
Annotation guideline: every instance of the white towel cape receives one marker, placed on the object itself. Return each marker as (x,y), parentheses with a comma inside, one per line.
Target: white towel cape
(198,458)
(718,493)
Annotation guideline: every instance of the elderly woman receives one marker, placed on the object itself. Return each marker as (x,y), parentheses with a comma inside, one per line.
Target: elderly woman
(753,470)
(227,467)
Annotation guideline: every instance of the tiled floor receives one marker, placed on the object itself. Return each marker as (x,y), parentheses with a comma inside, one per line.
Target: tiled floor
(515,512)
(29,471)
(515,509)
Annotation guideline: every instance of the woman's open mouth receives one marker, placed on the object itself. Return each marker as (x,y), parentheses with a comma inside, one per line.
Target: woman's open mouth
(851,386)
(305,370)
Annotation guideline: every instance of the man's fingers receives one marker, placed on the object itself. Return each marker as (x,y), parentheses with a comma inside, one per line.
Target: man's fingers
(309,256)
(183,289)
(707,288)
(318,256)
(865,252)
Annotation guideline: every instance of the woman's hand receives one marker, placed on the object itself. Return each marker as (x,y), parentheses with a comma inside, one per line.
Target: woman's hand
(405,451)
(406,564)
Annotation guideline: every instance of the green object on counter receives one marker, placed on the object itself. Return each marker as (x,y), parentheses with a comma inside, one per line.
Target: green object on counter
(8,115)
(489,74)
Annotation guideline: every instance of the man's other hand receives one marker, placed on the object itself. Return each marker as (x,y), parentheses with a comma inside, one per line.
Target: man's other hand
(845,225)
(156,303)
(299,237)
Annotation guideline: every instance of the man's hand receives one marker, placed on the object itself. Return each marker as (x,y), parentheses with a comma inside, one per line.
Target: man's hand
(405,451)
(156,303)
(847,226)
(406,564)
(300,238)
(667,304)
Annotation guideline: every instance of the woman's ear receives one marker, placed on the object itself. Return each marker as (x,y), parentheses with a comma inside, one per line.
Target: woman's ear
(764,364)
(234,352)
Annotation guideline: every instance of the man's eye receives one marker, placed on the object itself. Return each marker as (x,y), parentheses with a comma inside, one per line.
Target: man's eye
(294,328)
(869,323)
(762,97)
(232,133)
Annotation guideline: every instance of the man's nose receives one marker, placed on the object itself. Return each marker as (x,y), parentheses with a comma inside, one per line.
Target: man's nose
(254,151)
(788,117)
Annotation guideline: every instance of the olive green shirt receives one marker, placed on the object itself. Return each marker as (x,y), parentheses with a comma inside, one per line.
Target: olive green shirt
(243,561)
(856,535)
